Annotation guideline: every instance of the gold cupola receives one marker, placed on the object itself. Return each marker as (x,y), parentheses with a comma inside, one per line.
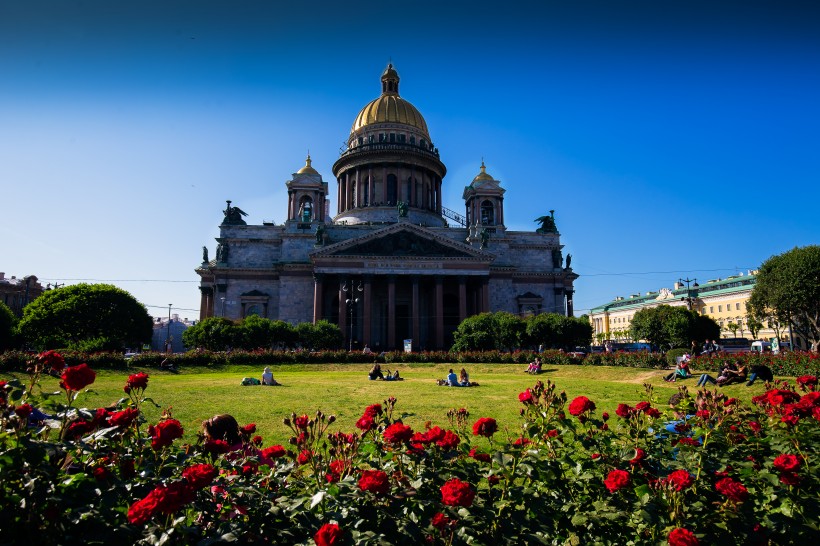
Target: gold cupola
(307,169)
(390,107)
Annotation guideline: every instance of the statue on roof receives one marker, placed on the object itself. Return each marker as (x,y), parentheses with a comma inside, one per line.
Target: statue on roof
(204,254)
(402,206)
(557,258)
(233,216)
(569,260)
(485,238)
(547,223)
(320,234)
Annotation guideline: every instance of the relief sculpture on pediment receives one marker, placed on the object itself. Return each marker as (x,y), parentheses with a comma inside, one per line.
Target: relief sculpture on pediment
(403,244)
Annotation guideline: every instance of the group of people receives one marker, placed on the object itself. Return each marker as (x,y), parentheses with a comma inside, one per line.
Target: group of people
(460,380)
(710,347)
(376,373)
(534,366)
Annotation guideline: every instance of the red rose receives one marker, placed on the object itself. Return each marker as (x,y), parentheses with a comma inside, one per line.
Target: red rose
(680,480)
(216,447)
(78,429)
(732,489)
(457,493)
(522,442)
(301,422)
(653,412)
(433,435)
(595,456)
(640,455)
(166,499)
(76,378)
(616,480)
(336,467)
(123,418)
(778,397)
(398,433)
(441,522)
(102,474)
(486,426)
(552,433)
(806,380)
(23,411)
(525,397)
(142,510)
(274,452)
(624,411)
(373,410)
(137,381)
(682,537)
(304,456)
(165,432)
(256,440)
(755,426)
(450,440)
(483,457)
(328,534)
(581,405)
(688,442)
(249,429)
(703,414)
(53,360)
(605,416)
(789,478)
(642,406)
(787,463)
(374,481)
(199,475)
(365,423)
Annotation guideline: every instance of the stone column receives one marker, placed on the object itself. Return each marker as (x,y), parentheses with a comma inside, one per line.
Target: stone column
(317,298)
(391,313)
(342,309)
(368,299)
(439,312)
(462,298)
(569,294)
(485,295)
(416,318)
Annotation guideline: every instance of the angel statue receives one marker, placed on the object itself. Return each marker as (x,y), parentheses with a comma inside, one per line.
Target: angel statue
(233,216)
(204,254)
(547,223)
(402,206)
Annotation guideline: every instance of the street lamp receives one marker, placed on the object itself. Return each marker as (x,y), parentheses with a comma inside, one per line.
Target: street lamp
(168,345)
(222,313)
(689,293)
(351,301)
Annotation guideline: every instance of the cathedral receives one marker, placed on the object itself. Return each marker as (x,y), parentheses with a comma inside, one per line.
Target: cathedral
(394,267)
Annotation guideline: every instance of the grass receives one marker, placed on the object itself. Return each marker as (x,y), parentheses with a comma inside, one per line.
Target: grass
(344,390)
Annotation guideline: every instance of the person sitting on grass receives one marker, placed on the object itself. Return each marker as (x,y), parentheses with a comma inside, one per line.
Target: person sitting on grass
(452,379)
(760,372)
(681,370)
(736,374)
(706,378)
(463,378)
(375,372)
(267,377)
(392,376)
(535,366)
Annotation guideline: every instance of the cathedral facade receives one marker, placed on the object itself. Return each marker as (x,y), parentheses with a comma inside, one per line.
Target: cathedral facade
(394,263)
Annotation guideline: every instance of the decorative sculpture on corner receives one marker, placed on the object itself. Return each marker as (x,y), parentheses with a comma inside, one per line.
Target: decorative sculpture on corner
(569,260)
(485,238)
(402,206)
(222,253)
(204,254)
(557,258)
(320,234)
(547,223)
(233,216)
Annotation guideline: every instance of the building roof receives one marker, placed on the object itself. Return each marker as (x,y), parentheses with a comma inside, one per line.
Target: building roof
(390,107)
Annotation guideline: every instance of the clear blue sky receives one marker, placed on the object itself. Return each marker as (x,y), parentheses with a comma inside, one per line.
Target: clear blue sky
(675,138)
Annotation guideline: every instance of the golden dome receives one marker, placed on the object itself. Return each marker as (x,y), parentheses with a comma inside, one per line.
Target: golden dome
(390,107)
(483,174)
(307,169)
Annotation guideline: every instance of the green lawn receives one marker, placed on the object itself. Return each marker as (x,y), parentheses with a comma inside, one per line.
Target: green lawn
(344,390)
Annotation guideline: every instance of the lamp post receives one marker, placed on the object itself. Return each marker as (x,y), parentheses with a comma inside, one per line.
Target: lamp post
(695,285)
(351,301)
(222,313)
(168,345)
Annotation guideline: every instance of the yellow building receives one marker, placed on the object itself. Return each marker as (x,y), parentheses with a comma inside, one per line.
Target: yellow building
(724,300)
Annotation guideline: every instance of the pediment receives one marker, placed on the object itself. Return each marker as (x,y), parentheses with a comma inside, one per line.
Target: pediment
(402,241)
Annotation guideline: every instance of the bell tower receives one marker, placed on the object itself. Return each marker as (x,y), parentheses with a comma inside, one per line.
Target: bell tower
(307,196)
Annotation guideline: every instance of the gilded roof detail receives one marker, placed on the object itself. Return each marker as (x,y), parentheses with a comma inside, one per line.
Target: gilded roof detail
(390,107)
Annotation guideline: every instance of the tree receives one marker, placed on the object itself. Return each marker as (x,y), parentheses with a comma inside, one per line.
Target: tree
(667,326)
(75,315)
(257,333)
(320,336)
(214,334)
(705,328)
(753,325)
(509,329)
(788,289)
(8,326)
(732,327)
(475,334)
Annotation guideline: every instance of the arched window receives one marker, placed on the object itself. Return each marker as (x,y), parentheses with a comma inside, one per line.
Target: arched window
(487,213)
(392,189)
(252,310)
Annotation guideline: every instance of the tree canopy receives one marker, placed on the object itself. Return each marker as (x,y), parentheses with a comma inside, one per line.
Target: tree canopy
(74,316)
(666,326)
(8,325)
(504,332)
(788,291)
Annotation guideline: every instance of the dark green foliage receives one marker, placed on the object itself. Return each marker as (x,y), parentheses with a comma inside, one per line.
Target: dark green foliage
(475,333)
(323,335)
(8,327)
(213,333)
(673,354)
(69,316)
(788,291)
(666,327)
(504,331)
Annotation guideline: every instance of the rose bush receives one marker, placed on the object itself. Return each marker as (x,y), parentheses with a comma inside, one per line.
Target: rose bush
(715,472)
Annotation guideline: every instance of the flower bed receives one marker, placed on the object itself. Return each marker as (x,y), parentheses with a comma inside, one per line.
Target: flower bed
(722,472)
